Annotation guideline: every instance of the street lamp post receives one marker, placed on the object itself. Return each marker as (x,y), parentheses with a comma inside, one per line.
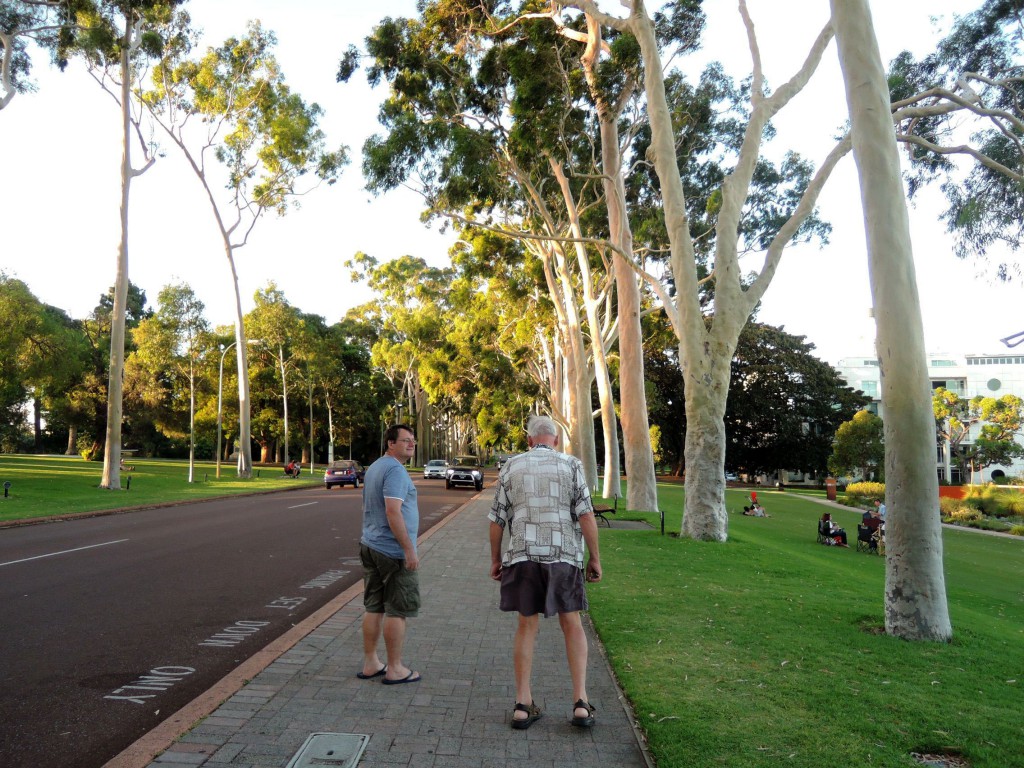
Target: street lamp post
(220,392)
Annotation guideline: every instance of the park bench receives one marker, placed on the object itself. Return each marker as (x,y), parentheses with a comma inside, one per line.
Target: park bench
(602,510)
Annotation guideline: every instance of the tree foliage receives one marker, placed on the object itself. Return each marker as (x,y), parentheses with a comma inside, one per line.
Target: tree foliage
(859,447)
(785,404)
(959,113)
(980,431)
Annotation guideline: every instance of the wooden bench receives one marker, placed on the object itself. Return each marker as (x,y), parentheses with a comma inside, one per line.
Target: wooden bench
(600,512)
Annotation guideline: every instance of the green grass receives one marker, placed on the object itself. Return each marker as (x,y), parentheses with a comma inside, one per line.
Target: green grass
(43,486)
(770,649)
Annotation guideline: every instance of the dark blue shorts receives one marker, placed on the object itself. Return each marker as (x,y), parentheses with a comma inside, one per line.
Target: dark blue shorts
(549,588)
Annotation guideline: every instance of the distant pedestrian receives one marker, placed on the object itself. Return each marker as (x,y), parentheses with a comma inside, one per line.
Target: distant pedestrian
(543,500)
(387,549)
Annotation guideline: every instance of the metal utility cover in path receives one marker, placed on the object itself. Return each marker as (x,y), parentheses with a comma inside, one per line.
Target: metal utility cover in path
(336,750)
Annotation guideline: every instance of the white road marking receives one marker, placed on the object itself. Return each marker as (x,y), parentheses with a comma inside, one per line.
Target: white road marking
(64,552)
(308,504)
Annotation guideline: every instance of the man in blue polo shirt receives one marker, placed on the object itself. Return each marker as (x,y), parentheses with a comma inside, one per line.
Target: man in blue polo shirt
(387,549)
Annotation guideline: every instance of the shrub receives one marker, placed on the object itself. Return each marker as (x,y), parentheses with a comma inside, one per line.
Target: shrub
(88,449)
(984,498)
(947,506)
(1017,530)
(866,491)
(962,514)
(1013,504)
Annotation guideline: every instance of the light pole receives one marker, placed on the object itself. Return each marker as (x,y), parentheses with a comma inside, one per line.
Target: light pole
(220,392)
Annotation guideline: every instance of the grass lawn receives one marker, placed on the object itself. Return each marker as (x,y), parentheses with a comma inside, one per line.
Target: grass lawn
(42,486)
(769,649)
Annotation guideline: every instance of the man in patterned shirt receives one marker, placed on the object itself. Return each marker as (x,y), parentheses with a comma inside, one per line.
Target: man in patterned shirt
(543,500)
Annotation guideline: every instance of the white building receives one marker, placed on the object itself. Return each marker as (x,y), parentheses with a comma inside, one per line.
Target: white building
(966,375)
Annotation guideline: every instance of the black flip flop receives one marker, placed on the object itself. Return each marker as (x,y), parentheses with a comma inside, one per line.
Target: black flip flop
(412,677)
(382,671)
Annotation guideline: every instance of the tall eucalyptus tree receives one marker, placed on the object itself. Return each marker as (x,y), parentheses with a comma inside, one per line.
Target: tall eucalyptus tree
(117,38)
(915,589)
(706,348)
(266,137)
(493,133)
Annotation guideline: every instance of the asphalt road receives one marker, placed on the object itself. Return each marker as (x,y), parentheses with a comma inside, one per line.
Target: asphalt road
(111,624)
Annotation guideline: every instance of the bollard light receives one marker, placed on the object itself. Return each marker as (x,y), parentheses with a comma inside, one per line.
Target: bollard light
(7,487)
(128,485)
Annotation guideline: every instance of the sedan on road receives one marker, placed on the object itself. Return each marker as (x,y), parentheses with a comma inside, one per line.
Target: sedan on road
(464,470)
(343,472)
(435,469)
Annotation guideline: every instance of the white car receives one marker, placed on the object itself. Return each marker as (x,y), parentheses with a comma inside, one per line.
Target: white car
(731,477)
(434,469)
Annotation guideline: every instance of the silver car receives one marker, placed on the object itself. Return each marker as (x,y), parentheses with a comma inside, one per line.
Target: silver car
(434,469)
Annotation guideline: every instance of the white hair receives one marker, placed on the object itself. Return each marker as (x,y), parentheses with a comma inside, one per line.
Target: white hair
(541,425)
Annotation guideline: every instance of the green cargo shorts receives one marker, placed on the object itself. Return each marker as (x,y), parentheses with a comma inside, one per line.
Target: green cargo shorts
(388,586)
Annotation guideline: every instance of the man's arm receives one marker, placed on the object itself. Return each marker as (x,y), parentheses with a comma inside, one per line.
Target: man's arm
(588,525)
(393,510)
(496,533)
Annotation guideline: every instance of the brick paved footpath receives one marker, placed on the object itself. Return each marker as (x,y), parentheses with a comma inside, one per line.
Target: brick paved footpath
(457,716)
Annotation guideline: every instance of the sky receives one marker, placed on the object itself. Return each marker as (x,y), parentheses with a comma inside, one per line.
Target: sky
(60,177)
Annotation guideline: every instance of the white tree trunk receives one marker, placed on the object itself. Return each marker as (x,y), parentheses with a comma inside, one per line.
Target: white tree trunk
(915,589)
(641,485)
(115,381)
(191,416)
(242,358)
(284,397)
(330,429)
(612,487)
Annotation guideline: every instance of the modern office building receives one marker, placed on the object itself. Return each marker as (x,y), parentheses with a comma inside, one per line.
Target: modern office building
(966,375)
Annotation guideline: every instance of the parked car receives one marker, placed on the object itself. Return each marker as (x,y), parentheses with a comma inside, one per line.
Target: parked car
(731,477)
(435,469)
(343,472)
(464,470)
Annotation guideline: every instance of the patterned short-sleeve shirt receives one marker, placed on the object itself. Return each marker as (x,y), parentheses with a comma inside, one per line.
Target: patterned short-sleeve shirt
(540,497)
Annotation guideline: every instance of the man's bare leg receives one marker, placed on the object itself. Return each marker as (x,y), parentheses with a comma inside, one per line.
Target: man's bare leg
(394,640)
(373,624)
(522,657)
(576,653)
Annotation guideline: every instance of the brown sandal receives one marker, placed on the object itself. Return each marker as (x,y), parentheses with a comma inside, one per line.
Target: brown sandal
(533,714)
(583,722)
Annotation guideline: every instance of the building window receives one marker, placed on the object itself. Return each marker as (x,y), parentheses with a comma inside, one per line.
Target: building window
(943,363)
(957,387)
(870,388)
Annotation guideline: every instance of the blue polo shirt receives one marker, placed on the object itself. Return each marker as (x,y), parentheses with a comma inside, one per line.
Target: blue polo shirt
(388,478)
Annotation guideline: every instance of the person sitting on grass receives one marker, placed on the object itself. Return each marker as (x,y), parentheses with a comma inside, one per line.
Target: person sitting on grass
(292,469)
(755,511)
